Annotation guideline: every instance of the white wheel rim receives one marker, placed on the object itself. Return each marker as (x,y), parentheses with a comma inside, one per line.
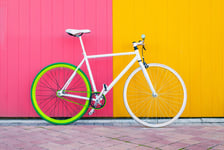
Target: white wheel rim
(145,123)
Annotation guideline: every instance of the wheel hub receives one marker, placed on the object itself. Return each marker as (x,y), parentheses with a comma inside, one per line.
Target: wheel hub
(59,93)
(154,94)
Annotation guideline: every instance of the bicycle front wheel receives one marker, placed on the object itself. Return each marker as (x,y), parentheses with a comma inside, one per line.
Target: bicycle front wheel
(50,106)
(148,109)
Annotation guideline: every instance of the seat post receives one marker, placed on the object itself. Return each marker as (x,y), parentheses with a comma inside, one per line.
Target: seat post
(82,45)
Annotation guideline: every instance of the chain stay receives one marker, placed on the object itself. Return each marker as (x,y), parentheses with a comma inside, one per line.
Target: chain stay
(79,103)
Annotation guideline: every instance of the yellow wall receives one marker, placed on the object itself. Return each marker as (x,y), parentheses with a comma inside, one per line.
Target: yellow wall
(187,35)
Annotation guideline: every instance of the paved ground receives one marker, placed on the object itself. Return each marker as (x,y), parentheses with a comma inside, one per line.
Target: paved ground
(86,135)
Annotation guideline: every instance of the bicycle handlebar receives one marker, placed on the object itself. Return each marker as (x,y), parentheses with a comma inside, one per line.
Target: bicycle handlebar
(141,42)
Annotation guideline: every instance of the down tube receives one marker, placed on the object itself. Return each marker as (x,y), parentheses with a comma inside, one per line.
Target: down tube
(121,74)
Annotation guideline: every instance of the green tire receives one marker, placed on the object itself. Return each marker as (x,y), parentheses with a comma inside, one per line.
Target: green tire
(49,105)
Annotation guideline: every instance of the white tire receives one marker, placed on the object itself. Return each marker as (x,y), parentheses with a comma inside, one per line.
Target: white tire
(149,110)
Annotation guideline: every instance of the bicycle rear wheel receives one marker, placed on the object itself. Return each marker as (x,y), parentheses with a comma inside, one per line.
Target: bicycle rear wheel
(50,106)
(160,110)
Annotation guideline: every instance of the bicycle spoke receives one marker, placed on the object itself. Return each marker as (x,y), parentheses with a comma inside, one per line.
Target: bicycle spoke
(159,110)
(49,105)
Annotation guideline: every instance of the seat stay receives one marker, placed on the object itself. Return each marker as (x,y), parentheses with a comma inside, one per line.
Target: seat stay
(71,77)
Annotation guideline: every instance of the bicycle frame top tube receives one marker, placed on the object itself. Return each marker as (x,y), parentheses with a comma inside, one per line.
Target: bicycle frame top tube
(86,57)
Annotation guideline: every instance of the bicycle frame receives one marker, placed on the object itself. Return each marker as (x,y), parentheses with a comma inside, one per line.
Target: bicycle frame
(103,91)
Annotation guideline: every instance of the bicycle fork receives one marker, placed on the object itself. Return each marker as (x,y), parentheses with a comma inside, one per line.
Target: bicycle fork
(143,68)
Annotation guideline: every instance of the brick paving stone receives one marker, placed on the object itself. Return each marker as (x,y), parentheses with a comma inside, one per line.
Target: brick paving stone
(74,146)
(113,142)
(87,147)
(75,137)
(126,138)
(160,143)
(182,136)
(219,147)
(201,139)
(69,131)
(37,142)
(142,142)
(155,144)
(137,135)
(190,141)
(63,142)
(86,141)
(10,141)
(123,146)
(37,129)
(104,145)
(177,145)
(53,133)
(174,139)
(25,145)
(151,138)
(169,147)
(200,146)
(51,146)
(143,148)
(99,138)
(5,146)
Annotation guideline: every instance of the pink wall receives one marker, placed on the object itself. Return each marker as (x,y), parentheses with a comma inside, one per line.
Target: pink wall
(32,36)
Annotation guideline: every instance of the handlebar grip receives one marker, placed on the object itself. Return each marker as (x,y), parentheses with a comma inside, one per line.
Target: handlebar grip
(143,36)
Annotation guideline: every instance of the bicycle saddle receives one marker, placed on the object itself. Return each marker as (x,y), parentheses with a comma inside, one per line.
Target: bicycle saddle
(76,33)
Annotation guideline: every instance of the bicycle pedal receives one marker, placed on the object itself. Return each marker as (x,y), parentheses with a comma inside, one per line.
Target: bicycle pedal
(91,112)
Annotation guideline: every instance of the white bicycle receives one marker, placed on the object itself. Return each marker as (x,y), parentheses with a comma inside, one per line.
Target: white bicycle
(154,94)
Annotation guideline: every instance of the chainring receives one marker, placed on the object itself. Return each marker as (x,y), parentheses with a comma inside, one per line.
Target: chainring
(101,102)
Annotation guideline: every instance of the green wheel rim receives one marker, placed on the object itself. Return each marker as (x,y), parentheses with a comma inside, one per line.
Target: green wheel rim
(34,101)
